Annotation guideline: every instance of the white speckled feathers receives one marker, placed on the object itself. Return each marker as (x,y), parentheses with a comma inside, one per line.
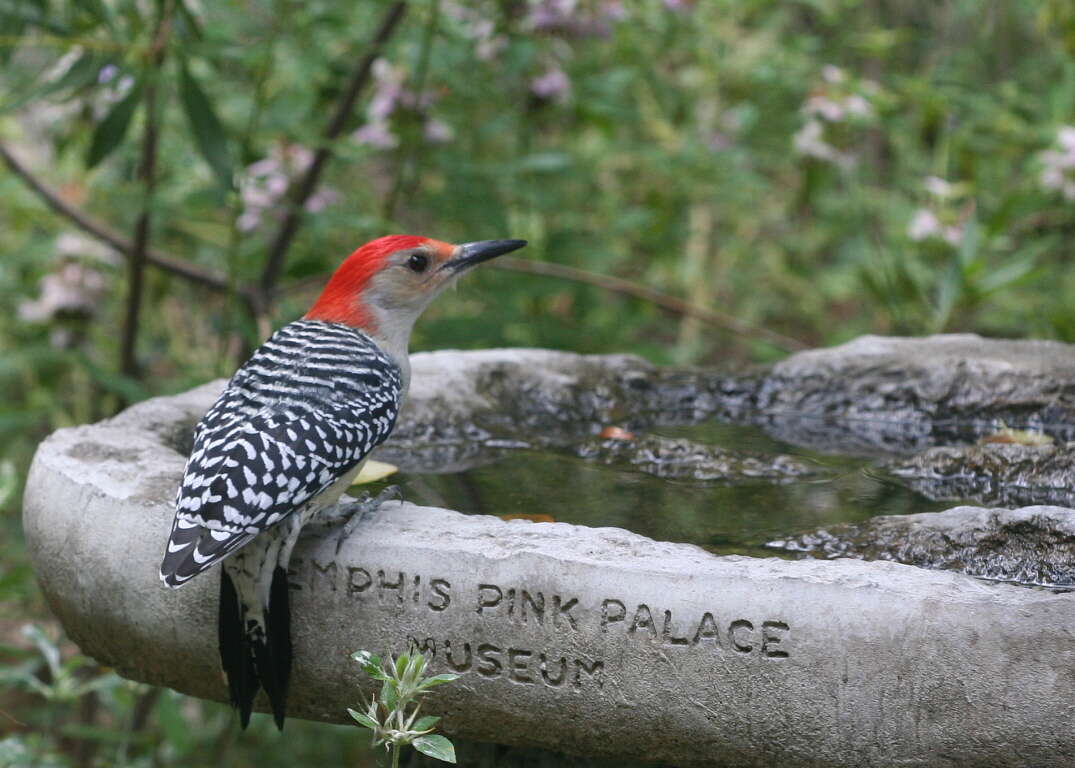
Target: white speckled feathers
(299,415)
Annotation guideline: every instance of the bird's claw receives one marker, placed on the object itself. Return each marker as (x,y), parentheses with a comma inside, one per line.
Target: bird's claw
(351,513)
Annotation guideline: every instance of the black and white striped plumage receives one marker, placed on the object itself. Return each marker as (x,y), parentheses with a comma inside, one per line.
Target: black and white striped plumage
(288,432)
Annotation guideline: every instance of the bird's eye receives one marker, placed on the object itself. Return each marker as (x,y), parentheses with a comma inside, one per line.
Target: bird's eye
(418,262)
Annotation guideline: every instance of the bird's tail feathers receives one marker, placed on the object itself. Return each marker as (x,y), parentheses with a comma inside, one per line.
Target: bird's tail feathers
(192,548)
(272,656)
(236,655)
(256,654)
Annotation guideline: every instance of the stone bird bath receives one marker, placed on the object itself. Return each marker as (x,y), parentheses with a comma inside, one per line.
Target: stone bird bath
(599,641)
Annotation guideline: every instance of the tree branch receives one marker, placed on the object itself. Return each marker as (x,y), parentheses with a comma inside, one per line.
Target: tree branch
(96,229)
(147,173)
(663,300)
(301,190)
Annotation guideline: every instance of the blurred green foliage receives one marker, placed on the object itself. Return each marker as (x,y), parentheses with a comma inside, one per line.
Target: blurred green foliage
(821,168)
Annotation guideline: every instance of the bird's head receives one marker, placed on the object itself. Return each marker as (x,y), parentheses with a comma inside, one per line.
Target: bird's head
(385,285)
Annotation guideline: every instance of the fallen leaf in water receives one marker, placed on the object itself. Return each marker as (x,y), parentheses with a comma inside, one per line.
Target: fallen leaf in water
(1017,436)
(372,471)
(616,433)
(534,518)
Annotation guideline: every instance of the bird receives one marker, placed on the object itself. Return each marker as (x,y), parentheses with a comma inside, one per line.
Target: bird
(289,434)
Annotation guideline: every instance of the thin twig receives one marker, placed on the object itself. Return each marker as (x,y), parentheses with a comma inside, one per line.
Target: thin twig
(8,716)
(96,229)
(663,300)
(301,190)
(147,173)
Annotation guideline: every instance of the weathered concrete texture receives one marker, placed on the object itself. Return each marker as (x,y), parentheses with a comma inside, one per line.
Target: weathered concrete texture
(997,473)
(594,641)
(901,395)
(1031,545)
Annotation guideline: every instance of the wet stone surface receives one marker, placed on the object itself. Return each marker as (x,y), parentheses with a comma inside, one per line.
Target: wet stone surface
(1001,474)
(883,395)
(683,459)
(1031,545)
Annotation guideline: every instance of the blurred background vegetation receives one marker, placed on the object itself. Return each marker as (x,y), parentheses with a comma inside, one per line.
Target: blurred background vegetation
(715,182)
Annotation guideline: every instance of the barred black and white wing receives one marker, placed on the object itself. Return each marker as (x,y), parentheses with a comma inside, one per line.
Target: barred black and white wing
(309,405)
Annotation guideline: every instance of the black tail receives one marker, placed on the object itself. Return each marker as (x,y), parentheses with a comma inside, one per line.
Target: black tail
(251,657)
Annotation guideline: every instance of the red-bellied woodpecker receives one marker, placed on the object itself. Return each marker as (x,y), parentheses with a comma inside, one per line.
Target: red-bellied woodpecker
(289,434)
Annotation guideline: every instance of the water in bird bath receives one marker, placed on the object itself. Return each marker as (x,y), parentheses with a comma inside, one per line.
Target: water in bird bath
(592,483)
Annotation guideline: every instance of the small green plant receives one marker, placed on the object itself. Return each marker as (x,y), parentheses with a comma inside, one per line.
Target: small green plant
(392,715)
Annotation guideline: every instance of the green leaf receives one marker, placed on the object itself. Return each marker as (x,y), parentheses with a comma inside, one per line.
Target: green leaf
(48,649)
(435,746)
(389,694)
(13,12)
(110,132)
(425,723)
(447,677)
(545,162)
(83,72)
(370,664)
(191,21)
(365,658)
(208,132)
(364,720)
(100,12)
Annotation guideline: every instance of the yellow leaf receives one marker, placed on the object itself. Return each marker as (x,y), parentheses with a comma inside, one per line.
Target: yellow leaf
(1018,436)
(372,471)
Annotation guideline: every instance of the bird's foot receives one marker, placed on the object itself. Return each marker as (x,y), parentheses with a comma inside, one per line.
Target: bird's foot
(351,513)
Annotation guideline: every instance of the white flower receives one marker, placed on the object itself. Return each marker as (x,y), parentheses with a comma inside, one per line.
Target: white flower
(72,290)
(437,131)
(825,108)
(856,105)
(74,244)
(487,50)
(1058,164)
(1065,137)
(953,235)
(924,224)
(810,142)
(939,187)
(833,74)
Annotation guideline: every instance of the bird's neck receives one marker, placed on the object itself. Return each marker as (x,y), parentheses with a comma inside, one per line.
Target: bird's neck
(392,333)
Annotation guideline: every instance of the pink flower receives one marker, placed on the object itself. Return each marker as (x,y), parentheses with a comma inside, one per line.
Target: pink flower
(376,134)
(264,184)
(554,85)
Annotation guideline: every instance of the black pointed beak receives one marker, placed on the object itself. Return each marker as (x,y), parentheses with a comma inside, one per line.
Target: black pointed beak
(469,254)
